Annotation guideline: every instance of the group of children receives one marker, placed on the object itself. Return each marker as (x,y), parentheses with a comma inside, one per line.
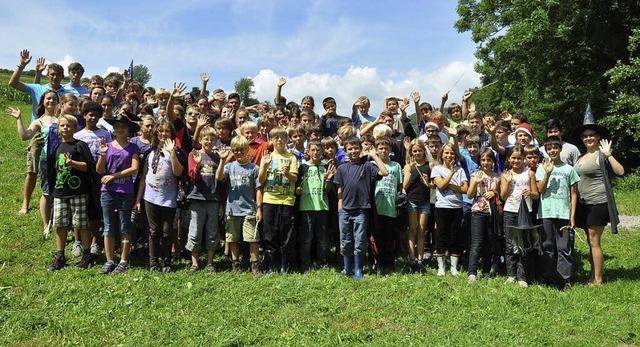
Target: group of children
(291,184)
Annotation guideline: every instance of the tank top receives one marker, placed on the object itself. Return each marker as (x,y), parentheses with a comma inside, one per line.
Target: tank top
(417,190)
(518,183)
(44,131)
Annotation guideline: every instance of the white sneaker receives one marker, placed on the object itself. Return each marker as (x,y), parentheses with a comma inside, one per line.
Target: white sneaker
(472,278)
(510,280)
(77,249)
(523,284)
(95,249)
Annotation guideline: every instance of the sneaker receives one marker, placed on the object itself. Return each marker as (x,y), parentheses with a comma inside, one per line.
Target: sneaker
(566,287)
(95,249)
(154,268)
(472,278)
(77,249)
(166,269)
(210,269)
(235,266)
(523,284)
(58,263)
(192,270)
(86,261)
(122,267)
(107,267)
(413,267)
(427,255)
(255,268)
(486,275)
(510,280)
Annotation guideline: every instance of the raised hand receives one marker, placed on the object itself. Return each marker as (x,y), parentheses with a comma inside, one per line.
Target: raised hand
(508,176)
(266,158)
(415,96)
(204,77)
(224,153)
(13,112)
(467,96)
(103,146)
(67,159)
(445,97)
(406,141)
(404,104)
(505,115)
(605,147)
(282,81)
(203,120)
(178,88)
(330,171)
(126,78)
(40,65)
(197,157)
(547,164)
(25,58)
(169,145)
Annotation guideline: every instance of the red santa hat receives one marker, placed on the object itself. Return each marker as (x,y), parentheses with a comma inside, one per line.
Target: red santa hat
(434,123)
(526,128)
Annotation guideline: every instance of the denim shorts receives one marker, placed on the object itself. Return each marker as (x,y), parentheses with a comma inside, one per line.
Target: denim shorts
(420,207)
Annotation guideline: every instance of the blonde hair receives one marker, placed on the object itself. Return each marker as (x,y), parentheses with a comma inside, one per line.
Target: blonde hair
(347,131)
(420,144)
(249,126)
(208,131)
(162,92)
(240,142)
(381,130)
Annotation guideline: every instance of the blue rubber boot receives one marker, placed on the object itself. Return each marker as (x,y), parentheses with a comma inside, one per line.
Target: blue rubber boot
(347,266)
(357,272)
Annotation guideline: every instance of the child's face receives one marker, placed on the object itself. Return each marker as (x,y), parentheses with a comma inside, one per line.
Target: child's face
(486,163)
(329,152)
(95,83)
(515,160)
(475,126)
(70,107)
(224,113)
(66,129)
(240,154)
(553,151)
(330,108)
(431,131)
(203,105)
(298,139)
(241,117)
(96,94)
(418,153)
(146,127)
(234,104)
(366,146)
(448,155)
(75,76)
(392,106)
(110,88)
(473,149)
(294,119)
(434,147)
(264,130)
(501,134)
(223,133)
(161,113)
(250,134)
(306,103)
(207,143)
(456,113)
(383,151)
(353,151)
(364,108)
(315,153)
(162,100)
(514,123)
(219,96)
(532,160)
(388,121)
(304,120)
(279,142)
(164,133)
(92,118)
(121,129)
(107,107)
(314,136)
(554,132)
(523,138)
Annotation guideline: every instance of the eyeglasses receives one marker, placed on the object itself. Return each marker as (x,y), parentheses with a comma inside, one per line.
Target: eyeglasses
(584,136)
(195,114)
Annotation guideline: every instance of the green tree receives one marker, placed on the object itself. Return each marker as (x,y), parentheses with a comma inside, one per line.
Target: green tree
(549,56)
(141,74)
(244,88)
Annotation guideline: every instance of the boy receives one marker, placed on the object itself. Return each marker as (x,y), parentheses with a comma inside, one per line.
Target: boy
(74,185)
(344,133)
(475,128)
(401,123)
(558,201)
(329,150)
(307,118)
(454,110)
(244,200)
(314,205)
(360,112)
(500,143)
(224,129)
(386,192)
(354,180)
(204,201)
(278,175)
(570,153)
(298,136)
(257,146)
(330,119)
(91,135)
(434,143)
(76,70)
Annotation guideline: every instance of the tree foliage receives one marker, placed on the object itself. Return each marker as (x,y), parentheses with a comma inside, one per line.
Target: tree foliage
(141,74)
(244,88)
(550,57)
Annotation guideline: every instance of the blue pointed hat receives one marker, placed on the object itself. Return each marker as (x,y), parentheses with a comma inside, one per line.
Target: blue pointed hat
(589,123)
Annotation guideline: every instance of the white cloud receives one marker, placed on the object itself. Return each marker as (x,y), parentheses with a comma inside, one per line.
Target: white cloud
(357,81)
(66,61)
(111,69)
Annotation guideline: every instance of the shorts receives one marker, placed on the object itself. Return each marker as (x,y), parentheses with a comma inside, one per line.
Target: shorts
(420,207)
(72,207)
(33,159)
(592,215)
(245,225)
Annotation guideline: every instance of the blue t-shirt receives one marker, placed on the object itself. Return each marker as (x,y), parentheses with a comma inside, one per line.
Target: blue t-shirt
(555,202)
(36,91)
(357,181)
(242,181)
(470,167)
(76,90)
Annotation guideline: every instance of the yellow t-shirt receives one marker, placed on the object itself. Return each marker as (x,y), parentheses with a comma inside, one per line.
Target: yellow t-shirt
(278,190)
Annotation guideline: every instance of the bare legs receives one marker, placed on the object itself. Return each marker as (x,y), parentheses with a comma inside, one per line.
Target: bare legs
(29,186)
(594,234)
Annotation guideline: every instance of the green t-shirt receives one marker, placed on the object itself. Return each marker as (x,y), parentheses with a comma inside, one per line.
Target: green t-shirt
(555,202)
(387,190)
(313,196)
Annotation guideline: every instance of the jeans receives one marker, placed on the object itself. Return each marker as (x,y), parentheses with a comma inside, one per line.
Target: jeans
(313,224)
(353,232)
(116,212)
(204,220)
(448,234)
(480,243)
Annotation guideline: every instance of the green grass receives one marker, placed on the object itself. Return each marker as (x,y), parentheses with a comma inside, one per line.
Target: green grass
(72,307)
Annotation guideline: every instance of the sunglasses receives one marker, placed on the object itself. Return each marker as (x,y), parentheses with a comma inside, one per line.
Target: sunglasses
(195,114)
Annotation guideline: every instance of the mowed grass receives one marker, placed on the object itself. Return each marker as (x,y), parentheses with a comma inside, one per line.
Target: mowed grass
(72,307)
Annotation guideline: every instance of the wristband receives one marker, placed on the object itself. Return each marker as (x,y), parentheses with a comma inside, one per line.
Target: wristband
(103,154)
(21,66)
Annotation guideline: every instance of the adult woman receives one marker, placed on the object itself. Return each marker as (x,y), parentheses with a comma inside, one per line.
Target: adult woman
(597,204)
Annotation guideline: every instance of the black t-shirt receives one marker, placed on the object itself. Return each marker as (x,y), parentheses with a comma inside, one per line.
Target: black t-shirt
(417,190)
(68,180)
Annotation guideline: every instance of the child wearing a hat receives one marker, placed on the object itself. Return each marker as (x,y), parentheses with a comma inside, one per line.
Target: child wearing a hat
(119,160)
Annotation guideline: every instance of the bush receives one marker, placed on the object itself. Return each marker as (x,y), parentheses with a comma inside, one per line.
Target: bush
(11,95)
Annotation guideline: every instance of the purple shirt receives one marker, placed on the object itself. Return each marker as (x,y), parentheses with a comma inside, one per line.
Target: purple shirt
(118,160)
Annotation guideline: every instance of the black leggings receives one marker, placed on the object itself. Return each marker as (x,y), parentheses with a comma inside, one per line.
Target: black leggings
(160,231)
(448,231)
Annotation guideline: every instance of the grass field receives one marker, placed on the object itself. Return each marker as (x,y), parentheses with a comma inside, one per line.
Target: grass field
(72,307)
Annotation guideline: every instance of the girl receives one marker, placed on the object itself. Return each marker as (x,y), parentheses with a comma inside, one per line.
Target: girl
(263,124)
(241,116)
(451,182)
(160,190)
(37,155)
(119,161)
(416,187)
(483,189)
(515,184)
(143,141)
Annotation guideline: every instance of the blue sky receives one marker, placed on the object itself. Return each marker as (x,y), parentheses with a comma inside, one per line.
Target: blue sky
(327,47)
